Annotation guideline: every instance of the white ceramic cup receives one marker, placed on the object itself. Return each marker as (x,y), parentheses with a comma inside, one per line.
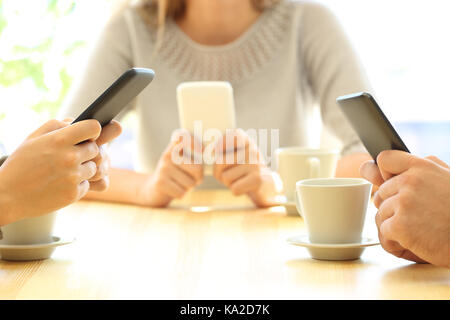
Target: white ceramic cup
(298,163)
(334,209)
(30,231)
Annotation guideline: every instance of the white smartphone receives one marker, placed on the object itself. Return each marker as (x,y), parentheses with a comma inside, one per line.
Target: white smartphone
(206,105)
(209,103)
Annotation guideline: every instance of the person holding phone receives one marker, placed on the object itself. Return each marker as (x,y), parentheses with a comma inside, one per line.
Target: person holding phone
(55,166)
(282,57)
(413,202)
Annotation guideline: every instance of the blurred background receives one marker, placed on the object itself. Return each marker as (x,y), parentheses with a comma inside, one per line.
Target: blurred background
(403,45)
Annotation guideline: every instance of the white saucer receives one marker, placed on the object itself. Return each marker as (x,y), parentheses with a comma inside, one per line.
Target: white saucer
(32,251)
(344,251)
(291,208)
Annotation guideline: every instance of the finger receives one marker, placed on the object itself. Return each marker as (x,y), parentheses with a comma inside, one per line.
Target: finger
(244,185)
(174,155)
(173,189)
(99,185)
(218,170)
(393,162)
(174,152)
(188,140)
(87,151)
(387,190)
(370,171)
(233,140)
(181,177)
(102,162)
(193,170)
(68,120)
(386,210)
(232,174)
(102,172)
(83,189)
(438,161)
(394,247)
(87,170)
(47,127)
(102,156)
(80,131)
(109,132)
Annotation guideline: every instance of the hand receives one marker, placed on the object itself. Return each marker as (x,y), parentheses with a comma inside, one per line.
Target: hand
(172,180)
(49,170)
(240,166)
(100,181)
(413,217)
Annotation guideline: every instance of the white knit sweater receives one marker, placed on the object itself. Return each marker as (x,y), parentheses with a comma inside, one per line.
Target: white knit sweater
(293,58)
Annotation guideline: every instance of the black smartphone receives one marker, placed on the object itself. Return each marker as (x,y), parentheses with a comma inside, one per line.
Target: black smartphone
(109,104)
(373,127)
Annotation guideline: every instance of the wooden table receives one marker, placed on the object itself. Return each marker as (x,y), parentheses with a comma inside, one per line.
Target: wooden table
(220,249)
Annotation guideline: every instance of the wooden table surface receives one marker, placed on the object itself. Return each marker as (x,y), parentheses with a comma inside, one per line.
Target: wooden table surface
(221,248)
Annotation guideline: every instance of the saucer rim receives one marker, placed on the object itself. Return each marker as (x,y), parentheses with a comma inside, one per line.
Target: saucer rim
(288,204)
(61,241)
(300,241)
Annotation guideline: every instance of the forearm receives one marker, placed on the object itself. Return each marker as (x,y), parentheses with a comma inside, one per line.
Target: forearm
(348,166)
(125,187)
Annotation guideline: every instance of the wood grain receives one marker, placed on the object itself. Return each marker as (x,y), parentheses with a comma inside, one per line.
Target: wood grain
(222,248)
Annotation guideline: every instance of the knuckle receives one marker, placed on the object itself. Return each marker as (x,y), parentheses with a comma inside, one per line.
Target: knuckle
(257,179)
(415,162)
(236,191)
(101,185)
(70,159)
(160,183)
(73,178)
(101,171)
(403,201)
(92,168)
(399,227)
(60,139)
(53,123)
(410,181)
(92,148)
(164,169)
(72,194)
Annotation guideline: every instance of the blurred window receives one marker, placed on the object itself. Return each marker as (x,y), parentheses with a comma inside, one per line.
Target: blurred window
(403,45)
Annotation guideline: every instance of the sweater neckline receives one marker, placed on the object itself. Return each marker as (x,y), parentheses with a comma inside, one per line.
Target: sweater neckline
(234,61)
(223,47)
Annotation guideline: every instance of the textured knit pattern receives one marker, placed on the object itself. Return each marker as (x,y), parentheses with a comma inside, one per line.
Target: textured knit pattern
(294,58)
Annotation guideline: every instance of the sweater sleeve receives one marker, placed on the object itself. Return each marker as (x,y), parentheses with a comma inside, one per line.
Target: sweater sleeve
(110,56)
(332,69)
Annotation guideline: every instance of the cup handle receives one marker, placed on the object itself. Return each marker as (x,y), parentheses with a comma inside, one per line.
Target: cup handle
(314,167)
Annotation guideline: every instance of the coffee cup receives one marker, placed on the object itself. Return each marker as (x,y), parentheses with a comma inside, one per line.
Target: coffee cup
(298,163)
(334,209)
(29,231)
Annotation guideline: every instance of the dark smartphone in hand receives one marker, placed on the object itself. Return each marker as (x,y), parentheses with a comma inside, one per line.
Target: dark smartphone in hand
(111,102)
(372,126)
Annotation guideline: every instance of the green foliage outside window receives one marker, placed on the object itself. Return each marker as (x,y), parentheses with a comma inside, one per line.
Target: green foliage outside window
(27,62)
